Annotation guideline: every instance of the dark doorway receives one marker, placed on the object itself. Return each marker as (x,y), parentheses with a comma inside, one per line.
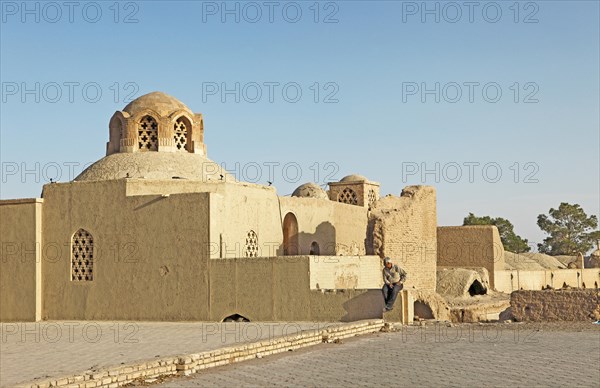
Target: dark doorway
(314,249)
(477,289)
(290,235)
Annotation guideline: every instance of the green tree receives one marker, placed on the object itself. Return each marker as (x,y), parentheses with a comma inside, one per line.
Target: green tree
(570,229)
(511,241)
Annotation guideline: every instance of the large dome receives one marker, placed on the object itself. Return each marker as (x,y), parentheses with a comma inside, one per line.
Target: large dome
(159,102)
(155,165)
(310,190)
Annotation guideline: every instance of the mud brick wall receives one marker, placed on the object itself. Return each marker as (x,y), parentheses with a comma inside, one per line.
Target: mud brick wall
(556,305)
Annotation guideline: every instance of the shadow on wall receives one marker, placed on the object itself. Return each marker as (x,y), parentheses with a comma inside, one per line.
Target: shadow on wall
(368,305)
(321,242)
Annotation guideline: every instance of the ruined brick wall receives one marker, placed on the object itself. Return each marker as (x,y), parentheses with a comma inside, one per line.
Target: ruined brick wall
(556,305)
(405,229)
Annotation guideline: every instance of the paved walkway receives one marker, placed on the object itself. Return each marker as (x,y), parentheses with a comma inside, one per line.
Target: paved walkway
(56,348)
(466,355)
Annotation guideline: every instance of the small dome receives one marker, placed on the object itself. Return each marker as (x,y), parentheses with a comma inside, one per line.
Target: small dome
(354,178)
(157,101)
(310,190)
(155,165)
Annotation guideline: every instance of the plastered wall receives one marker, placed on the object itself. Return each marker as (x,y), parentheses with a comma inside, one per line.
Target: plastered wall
(512,280)
(20,260)
(345,272)
(278,289)
(338,228)
(471,246)
(155,258)
(236,208)
(150,253)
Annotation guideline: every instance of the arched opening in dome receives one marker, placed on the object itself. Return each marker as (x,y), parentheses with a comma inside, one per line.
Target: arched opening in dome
(290,235)
(115,134)
(148,134)
(182,134)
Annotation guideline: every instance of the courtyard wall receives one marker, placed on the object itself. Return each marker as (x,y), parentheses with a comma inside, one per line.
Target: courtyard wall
(150,253)
(512,280)
(556,305)
(20,261)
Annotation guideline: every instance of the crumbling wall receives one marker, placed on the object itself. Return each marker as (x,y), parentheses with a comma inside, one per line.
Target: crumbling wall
(556,305)
(462,282)
(471,246)
(404,228)
(438,305)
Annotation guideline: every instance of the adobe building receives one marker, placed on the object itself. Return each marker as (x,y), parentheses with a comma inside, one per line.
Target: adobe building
(157,231)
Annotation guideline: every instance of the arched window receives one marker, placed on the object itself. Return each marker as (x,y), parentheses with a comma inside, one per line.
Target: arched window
(251,244)
(82,256)
(148,134)
(348,196)
(181,134)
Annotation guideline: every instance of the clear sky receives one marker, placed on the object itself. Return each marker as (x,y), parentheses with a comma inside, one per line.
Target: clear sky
(497,101)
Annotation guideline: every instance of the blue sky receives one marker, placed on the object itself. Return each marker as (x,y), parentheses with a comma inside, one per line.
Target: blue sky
(370,63)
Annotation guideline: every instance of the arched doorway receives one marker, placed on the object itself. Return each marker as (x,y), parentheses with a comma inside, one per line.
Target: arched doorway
(314,249)
(290,235)
(477,288)
(422,310)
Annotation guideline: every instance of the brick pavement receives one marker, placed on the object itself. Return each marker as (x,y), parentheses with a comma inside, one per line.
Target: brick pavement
(55,348)
(437,355)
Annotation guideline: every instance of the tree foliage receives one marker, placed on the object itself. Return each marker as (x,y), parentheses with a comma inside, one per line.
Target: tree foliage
(570,230)
(511,241)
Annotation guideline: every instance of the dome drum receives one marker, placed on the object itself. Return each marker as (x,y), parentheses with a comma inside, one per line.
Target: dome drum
(156,122)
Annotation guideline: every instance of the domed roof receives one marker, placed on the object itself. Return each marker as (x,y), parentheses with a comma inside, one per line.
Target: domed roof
(157,101)
(354,178)
(155,165)
(310,190)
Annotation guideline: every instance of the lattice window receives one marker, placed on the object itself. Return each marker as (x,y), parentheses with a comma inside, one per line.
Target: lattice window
(148,134)
(82,256)
(348,196)
(251,244)
(372,197)
(180,133)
